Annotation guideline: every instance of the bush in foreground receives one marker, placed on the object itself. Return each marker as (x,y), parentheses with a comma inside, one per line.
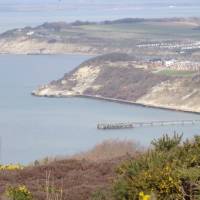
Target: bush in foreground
(169,171)
(18,193)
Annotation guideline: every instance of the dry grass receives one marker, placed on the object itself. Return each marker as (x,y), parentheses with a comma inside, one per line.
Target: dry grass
(74,178)
(52,192)
(110,149)
(78,179)
(107,150)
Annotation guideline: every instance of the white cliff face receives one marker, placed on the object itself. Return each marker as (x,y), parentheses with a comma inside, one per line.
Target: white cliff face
(23,45)
(174,95)
(52,91)
(84,78)
(97,78)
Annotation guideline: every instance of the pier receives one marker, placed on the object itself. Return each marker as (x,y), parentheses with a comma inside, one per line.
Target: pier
(129,125)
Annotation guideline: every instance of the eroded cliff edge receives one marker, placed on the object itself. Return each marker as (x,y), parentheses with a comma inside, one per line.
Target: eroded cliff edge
(119,77)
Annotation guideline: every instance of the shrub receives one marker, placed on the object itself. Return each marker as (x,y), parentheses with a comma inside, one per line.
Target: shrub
(169,171)
(18,193)
(166,143)
(11,167)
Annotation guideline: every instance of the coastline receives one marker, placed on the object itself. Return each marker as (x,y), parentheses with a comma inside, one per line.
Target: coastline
(120,101)
(50,54)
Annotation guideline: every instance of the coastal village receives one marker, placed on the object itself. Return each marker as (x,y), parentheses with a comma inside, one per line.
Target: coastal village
(182,45)
(172,64)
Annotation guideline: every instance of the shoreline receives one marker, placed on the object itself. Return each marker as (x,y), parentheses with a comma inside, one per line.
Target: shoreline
(49,54)
(119,101)
(136,104)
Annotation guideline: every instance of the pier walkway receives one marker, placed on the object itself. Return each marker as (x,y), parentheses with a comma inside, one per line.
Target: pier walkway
(128,125)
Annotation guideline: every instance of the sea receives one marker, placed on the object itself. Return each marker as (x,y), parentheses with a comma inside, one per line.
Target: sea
(35,127)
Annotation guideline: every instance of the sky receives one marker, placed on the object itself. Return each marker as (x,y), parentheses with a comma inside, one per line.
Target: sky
(13,1)
(100,1)
(23,5)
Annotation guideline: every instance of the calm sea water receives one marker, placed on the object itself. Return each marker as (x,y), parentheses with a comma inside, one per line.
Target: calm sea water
(32,127)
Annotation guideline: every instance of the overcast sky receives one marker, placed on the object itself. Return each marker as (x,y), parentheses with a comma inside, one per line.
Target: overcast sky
(63,4)
(99,1)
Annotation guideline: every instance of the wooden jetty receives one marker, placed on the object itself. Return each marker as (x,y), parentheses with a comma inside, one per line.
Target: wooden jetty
(129,125)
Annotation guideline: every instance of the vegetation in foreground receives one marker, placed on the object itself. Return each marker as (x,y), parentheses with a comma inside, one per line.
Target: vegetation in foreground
(72,178)
(18,193)
(170,170)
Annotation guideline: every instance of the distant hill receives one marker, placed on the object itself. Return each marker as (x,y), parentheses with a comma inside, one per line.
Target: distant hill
(117,77)
(123,35)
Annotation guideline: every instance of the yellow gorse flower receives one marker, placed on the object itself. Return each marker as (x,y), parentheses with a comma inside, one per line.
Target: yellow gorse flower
(142,196)
(18,192)
(11,167)
(22,188)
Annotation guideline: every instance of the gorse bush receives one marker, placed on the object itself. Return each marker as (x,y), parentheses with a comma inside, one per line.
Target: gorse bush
(169,171)
(18,193)
(11,167)
(166,143)
(143,196)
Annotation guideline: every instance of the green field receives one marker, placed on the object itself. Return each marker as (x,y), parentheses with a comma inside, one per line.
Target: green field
(177,73)
(148,30)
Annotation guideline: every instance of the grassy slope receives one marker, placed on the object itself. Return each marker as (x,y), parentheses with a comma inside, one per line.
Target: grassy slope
(176,73)
(148,30)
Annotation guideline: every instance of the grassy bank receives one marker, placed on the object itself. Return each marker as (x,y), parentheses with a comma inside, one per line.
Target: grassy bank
(176,73)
